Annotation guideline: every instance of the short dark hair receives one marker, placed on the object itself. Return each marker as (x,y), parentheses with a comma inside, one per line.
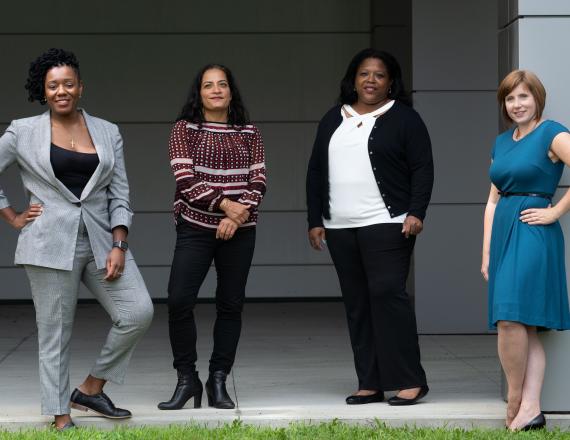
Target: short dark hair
(397,90)
(192,110)
(41,65)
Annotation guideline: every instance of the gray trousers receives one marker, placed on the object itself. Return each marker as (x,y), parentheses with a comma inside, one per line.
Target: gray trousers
(55,292)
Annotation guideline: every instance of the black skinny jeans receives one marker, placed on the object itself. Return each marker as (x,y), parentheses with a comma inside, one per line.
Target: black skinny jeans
(372,264)
(193,255)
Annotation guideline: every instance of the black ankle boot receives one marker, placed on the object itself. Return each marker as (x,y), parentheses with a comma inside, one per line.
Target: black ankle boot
(188,386)
(216,390)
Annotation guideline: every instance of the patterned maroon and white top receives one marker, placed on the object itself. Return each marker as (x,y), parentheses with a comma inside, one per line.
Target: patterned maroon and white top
(213,162)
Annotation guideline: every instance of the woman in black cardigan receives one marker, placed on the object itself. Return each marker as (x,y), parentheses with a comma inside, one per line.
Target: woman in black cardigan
(369,183)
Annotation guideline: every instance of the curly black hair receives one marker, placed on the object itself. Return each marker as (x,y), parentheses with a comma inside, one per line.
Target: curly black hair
(39,68)
(397,90)
(192,110)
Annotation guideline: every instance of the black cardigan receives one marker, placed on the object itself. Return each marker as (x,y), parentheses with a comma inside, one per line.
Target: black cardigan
(400,155)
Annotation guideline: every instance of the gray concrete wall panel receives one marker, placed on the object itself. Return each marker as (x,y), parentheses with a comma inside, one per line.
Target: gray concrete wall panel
(451,294)
(543,7)
(281,240)
(455,78)
(507,12)
(151,74)
(391,13)
(455,45)
(508,49)
(294,282)
(263,282)
(398,41)
(462,126)
(182,16)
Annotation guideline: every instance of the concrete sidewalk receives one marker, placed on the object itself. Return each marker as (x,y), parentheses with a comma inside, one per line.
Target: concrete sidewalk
(294,364)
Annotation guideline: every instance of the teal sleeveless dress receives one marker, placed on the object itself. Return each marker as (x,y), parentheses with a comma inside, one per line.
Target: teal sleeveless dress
(527,275)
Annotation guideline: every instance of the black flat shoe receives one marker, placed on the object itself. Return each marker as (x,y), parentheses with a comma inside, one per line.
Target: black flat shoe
(188,386)
(399,401)
(99,404)
(539,422)
(362,400)
(216,391)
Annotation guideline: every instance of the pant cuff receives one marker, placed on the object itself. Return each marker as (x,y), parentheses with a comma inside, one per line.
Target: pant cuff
(116,379)
(56,411)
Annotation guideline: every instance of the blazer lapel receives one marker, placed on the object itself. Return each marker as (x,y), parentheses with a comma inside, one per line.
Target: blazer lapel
(100,146)
(45,156)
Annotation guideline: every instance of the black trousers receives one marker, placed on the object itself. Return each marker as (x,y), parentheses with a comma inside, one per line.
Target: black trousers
(372,264)
(195,250)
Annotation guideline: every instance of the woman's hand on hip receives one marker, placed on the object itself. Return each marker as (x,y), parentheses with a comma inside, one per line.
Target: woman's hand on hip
(317,238)
(539,216)
(412,226)
(115,264)
(226,229)
(235,211)
(29,215)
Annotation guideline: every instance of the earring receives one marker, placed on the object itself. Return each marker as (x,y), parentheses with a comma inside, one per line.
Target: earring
(390,91)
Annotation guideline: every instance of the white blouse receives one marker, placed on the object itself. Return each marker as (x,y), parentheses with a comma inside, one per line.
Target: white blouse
(355,199)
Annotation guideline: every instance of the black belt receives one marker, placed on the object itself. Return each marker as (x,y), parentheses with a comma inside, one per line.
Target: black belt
(508,194)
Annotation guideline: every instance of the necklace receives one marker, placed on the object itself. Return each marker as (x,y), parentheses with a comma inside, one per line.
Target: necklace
(68,131)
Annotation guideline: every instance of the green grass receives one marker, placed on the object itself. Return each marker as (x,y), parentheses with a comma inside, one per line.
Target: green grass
(296,431)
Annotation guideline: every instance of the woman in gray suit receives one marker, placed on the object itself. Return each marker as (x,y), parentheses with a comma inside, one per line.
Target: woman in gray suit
(74,230)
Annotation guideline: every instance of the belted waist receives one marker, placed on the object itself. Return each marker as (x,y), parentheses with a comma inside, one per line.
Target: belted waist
(527,194)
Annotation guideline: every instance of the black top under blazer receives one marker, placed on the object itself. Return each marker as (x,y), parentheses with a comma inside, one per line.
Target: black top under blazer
(400,155)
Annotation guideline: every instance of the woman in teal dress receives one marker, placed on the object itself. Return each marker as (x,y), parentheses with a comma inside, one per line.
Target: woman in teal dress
(523,245)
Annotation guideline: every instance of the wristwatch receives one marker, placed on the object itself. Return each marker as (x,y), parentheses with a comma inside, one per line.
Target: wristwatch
(122,245)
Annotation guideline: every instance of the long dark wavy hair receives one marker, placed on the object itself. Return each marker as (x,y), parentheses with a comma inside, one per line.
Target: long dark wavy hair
(39,68)
(192,110)
(397,90)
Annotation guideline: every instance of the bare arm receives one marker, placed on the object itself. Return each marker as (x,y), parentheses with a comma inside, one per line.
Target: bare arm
(544,216)
(487,227)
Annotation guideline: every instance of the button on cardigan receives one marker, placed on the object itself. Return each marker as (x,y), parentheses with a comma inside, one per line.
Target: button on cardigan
(400,155)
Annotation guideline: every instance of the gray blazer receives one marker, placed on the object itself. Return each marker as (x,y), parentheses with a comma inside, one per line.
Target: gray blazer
(49,241)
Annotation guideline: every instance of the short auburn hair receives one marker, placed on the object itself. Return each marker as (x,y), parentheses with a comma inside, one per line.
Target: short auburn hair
(531,81)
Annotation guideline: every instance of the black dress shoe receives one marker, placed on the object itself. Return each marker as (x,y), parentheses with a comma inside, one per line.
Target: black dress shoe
(400,401)
(538,422)
(218,396)
(188,386)
(362,400)
(98,403)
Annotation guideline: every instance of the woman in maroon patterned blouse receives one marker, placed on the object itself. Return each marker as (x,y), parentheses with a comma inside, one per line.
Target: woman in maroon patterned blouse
(218,162)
